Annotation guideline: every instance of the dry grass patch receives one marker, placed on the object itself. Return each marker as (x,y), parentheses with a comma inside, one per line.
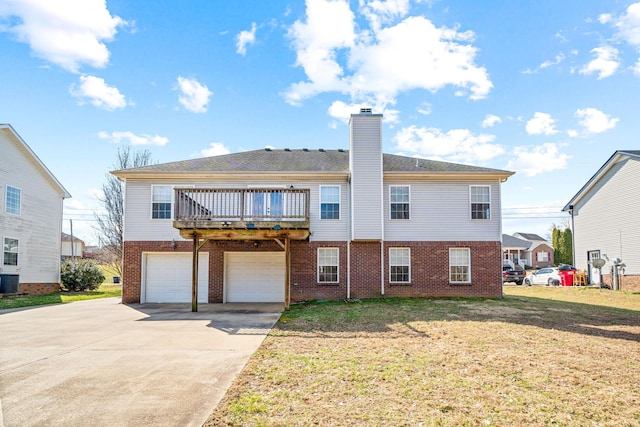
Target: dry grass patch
(531,358)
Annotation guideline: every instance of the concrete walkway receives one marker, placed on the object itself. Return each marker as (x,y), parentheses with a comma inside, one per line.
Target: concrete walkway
(102,363)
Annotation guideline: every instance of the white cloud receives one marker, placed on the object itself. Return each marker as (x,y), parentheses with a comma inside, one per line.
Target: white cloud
(245,38)
(456,145)
(215,149)
(193,96)
(537,160)
(491,120)
(628,25)
(99,93)
(343,111)
(144,139)
(541,124)
(424,108)
(380,64)
(594,120)
(67,33)
(605,64)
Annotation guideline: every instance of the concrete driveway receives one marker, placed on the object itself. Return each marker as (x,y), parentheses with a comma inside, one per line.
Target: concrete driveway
(103,363)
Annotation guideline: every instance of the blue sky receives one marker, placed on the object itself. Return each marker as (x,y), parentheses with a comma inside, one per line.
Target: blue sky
(547,89)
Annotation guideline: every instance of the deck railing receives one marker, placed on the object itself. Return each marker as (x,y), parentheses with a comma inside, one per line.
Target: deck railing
(233,204)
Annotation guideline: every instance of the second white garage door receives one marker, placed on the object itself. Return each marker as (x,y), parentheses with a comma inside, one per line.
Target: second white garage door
(254,276)
(167,277)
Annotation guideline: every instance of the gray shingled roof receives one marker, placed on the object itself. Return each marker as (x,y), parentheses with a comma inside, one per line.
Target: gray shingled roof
(514,242)
(267,160)
(531,236)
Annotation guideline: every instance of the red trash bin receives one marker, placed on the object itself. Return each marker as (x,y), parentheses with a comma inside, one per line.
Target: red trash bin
(566,275)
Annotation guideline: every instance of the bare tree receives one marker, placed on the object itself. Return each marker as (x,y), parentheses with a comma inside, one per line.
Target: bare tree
(110,223)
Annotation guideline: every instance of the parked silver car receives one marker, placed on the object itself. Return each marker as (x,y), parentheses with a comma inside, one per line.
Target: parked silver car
(545,276)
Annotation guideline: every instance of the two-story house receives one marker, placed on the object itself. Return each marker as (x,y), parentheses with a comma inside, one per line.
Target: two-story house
(30,219)
(606,224)
(292,225)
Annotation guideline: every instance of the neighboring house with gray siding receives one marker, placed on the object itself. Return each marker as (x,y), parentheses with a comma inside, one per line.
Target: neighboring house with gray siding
(30,218)
(292,225)
(606,223)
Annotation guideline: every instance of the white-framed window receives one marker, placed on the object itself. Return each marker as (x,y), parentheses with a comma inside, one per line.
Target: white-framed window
(459,265)
(329,202)
(161,198)
(12,200)
(400,265)
(10,251)
(542,256)
(399,202)
(328,260)
(480,198)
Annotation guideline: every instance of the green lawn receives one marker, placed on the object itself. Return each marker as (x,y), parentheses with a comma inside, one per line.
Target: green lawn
(104,291)
(541,356)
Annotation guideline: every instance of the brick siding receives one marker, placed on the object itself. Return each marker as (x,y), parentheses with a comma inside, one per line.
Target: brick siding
(629,283)
(429,268)
(38,288)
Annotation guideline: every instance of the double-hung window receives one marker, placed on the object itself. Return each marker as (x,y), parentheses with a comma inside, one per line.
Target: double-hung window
(399,265)
(399,201)
(10,251)
(480,196)
(161,201)
(330,202)
(12,200)
(459,265)
(328,265)
(542,256)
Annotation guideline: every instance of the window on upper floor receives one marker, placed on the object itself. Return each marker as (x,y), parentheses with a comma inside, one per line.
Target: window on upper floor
(12,200)
(161,196)
(399,265)
(399,201)
(459,265)
(329,202)
(10,251)
(328,265)
(480,197)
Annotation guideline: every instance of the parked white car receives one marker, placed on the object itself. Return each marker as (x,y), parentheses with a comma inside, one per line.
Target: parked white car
(545,276)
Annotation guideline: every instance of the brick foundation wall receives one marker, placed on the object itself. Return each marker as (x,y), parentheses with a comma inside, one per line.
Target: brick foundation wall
(38,288)
(429,269)
(629,283)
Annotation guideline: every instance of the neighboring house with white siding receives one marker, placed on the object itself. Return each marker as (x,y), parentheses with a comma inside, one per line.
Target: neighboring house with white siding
(30,218)
(293,225)
(537,252)
(606,223)
(72,247)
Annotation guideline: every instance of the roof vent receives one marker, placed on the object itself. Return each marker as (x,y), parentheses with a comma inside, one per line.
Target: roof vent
(365,111)
(321,150)
(287,149)
(341,150)
(267,148)
(305,149)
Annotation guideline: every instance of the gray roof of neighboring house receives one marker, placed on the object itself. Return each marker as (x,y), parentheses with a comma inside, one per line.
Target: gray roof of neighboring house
(67,238)
(531,237)
(514,242)
(303,160)
(634,154)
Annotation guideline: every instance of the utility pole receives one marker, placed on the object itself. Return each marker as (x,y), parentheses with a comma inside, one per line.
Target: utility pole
(72,245)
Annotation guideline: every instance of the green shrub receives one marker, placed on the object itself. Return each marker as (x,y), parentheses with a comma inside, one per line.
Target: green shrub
(81,275)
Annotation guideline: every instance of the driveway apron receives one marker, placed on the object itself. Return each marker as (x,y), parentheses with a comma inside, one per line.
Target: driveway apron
(103,363)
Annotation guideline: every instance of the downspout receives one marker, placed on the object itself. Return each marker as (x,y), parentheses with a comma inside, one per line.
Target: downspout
(348,270)
(382,210)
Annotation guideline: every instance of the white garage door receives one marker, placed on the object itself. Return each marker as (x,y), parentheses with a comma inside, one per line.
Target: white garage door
(167,277)
(254,276)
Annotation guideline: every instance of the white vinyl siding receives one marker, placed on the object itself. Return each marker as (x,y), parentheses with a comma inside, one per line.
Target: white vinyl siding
(480,201)
(399,265)
(459,265)
(12,200)
(140,227)
(440,212)
(328,263)
(366,177)
(39,225)
(607,218)
(399,202)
